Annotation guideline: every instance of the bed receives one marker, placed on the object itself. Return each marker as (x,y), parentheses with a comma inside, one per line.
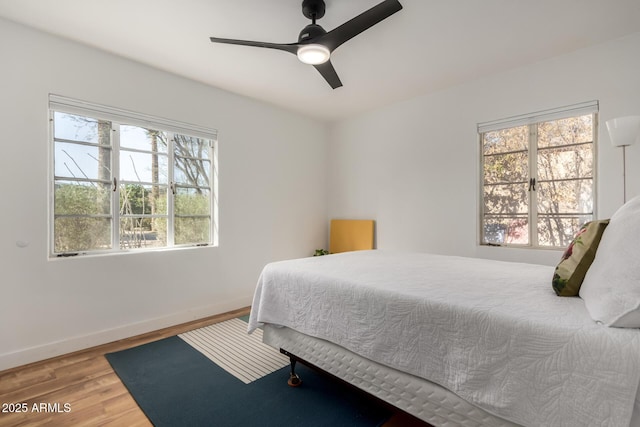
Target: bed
(453,340)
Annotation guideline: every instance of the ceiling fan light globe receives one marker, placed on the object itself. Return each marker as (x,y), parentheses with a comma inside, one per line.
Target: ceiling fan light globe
(313,54)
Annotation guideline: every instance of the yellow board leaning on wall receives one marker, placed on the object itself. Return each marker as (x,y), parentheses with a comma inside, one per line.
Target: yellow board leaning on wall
(351,235)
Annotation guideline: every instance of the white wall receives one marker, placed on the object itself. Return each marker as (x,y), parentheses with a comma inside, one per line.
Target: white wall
(413,166)
(271,194)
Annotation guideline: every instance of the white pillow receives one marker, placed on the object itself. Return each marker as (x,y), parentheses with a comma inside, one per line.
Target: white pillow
(611,288)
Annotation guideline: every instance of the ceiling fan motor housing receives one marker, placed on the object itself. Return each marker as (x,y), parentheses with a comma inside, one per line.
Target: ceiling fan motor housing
(310,32)
(313,9)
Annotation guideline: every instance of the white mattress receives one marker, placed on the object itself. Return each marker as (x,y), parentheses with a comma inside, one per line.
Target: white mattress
(493,333)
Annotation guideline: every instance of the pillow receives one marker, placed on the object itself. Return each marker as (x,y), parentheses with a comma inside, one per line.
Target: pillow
(577,259)
(611,288)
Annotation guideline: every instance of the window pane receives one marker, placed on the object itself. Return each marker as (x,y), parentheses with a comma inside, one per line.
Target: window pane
(136,199)
(192,172)
(565,162)
(189,146)
(502,230)
(143,139)
(82,161)
(143,167)
(82,198)
(503,168)
(192,230)
(561,197)
(559,231)
(192,201)
(159,227)
(192,160)
(73,234)
(506,199)
(500,141)
(192,169)
(573,130)
(138,232)
(81,128)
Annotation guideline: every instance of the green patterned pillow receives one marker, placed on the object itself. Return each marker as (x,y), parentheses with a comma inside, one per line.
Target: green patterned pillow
(577,259)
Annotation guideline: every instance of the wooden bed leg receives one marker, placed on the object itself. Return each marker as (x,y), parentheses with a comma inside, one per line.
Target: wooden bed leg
(294,379)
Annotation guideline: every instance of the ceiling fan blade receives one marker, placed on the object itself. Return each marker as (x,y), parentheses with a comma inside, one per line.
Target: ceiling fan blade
(291,47)
(329,74)
(360,23)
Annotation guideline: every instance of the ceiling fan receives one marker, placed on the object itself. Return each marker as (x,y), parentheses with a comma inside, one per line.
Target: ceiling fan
(315,45)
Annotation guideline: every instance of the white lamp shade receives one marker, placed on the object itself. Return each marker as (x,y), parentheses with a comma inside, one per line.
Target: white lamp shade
(313,54)
(624,130)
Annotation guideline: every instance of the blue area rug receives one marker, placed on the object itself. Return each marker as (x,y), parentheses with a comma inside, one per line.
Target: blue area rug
(176,385)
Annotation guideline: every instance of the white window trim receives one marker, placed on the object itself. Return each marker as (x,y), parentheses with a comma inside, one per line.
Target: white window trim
(74,106)
(117,116)
(574,110)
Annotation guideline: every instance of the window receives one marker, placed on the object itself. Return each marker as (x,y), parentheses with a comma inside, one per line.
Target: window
(123,181)
(538,177)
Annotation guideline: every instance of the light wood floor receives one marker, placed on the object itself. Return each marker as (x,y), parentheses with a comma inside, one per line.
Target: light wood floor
(86,382)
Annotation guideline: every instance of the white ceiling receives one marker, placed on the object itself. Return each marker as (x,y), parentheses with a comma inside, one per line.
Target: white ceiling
(428,46)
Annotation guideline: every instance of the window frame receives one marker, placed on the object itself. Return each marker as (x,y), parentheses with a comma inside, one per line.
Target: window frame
(532,121)
(119,118)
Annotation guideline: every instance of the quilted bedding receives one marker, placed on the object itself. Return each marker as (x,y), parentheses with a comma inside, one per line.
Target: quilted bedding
(492,332)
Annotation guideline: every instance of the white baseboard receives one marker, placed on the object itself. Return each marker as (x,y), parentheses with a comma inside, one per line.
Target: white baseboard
(69,345)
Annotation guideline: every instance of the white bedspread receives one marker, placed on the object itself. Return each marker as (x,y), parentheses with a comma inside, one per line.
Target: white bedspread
(492,332)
